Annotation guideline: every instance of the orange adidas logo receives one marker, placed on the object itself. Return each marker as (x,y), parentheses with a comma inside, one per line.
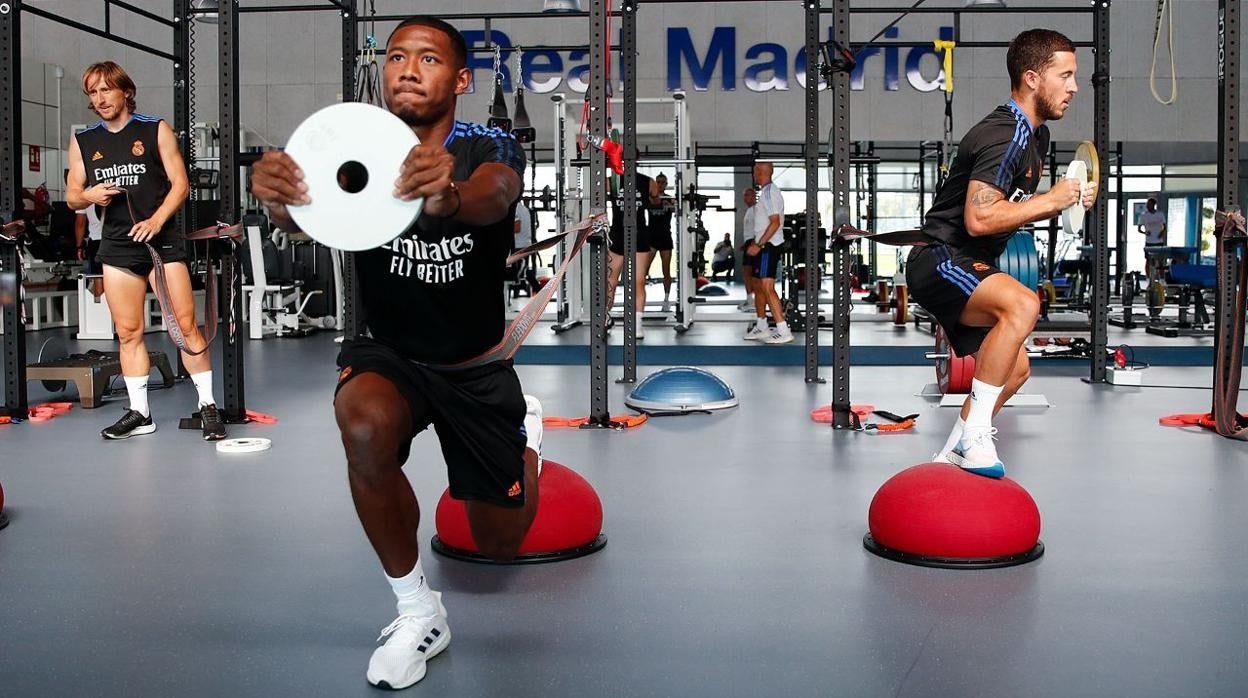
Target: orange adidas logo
(515,489)
(98,156)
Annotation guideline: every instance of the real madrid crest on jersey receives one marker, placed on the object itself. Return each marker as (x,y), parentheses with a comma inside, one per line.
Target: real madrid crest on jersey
(137,149)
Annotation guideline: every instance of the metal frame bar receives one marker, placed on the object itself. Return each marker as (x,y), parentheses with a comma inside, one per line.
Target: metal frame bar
(232,373)
(108,4)
(628,186)
(1120,244)
(839,162)
(15,404)
(332,7)
(599,414)
(492,16)
(814,255)
(927,10)
(1098,234)
(1226,315)
(352,307)
(88,29)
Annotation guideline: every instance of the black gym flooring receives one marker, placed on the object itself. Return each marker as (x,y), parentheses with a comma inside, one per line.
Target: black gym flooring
(156,567)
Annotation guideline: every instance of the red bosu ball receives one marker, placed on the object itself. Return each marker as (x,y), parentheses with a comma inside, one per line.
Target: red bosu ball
(938,515)
(568,523)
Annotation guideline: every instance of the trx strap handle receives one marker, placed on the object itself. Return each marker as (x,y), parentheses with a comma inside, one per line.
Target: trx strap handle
(915,237)
(527,319)
(160,287)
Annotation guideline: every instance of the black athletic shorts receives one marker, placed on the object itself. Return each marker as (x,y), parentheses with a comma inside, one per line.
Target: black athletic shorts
(660,239)
(135,257)
(941,279)
(768,262)
(617,237)
(747,259)
(478,414)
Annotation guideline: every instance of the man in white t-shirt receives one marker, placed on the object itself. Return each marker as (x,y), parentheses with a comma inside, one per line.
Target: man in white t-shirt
(88,230)
(1152,224)
(524,226)
(769,235)
(525,273)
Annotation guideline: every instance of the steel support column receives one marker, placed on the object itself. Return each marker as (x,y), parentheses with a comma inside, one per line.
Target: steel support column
(599,411)
(352,311)
(838,154)
(232,374)
(628,186)
(10,202)
(1098,236)
(1225,311)
(814,254)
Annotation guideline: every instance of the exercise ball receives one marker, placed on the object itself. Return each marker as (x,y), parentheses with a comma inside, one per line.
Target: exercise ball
(681,389)
(568,523)
(938,515)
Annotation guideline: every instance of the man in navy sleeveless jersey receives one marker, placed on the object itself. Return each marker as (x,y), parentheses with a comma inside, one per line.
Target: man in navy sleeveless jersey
(431,298)
(129,168)
(989,194)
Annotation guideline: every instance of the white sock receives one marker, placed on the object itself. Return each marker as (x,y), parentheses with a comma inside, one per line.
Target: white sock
(136,388)
(782,327)
(761,322)
(412,590)
(954,436)
(983,400)
(203,384)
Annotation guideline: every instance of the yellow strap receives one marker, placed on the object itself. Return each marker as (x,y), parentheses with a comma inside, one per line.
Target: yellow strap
(947,47)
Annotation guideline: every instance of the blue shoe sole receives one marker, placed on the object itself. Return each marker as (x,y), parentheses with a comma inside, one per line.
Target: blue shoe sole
(996,472)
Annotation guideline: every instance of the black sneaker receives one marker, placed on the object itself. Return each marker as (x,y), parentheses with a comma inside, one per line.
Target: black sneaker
(210,419)
(131,424)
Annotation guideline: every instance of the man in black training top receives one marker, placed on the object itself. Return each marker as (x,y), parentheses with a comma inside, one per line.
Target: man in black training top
(989,194)
(128,168)
(431,297)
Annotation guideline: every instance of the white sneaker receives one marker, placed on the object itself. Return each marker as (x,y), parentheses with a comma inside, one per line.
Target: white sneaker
(779,336)
(975,453)
(757,331)
(413,641)
(746,305)
(941,458)
(533,428)
(667,307)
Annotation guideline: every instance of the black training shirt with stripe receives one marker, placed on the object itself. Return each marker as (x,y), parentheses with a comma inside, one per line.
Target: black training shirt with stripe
(130,159)
(1002,150)
(435,293)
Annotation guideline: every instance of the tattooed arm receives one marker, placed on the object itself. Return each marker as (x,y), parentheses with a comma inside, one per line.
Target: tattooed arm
(988,212)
